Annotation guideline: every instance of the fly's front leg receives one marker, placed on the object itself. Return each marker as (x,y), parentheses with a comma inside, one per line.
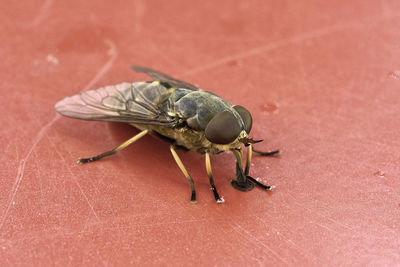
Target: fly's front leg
(183,169)
(241,183)
(211,178)
(247,169)
(248,159)
(115,150)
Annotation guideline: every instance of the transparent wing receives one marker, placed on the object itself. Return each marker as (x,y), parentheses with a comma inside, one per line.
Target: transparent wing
(136,103)
(158,76)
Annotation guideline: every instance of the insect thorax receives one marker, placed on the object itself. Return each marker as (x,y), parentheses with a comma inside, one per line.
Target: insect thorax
(192,111)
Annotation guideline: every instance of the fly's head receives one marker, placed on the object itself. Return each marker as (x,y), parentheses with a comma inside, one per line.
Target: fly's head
(229,129)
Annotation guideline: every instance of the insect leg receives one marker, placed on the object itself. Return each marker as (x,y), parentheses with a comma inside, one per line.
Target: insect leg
(115,150)
(183,169)
(241,183)
(248,159)
(211,178)
(247,169)
(268,153)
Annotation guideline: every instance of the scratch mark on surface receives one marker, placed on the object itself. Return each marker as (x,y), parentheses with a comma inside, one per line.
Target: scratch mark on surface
(74,179)
(21,167)
(337,222)
(41,14)
(279,43)
(327,228)
(113,53)
(255,240)
(291,243)
(77,233)
(86,198)
(321,215)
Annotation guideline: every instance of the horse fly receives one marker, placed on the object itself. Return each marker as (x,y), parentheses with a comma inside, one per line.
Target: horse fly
(175,111)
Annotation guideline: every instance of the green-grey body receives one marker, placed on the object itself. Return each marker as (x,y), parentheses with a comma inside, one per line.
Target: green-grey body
(192,110)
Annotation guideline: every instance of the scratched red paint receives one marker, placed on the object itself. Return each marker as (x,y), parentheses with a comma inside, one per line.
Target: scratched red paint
(320,81)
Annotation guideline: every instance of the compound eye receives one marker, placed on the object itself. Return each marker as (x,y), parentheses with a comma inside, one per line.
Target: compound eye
(223,129)
(246,117)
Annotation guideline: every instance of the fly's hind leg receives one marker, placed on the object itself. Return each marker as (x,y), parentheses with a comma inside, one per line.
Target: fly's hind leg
(115,150)
(185,172)
(211,178)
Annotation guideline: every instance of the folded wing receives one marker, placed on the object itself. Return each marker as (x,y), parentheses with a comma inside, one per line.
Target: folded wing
(137,103)
(162,77)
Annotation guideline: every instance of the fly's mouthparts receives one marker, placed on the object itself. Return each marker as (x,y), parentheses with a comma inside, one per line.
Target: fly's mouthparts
(248,141)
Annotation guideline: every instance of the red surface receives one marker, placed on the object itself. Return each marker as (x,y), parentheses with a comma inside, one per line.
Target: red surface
(322,79)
